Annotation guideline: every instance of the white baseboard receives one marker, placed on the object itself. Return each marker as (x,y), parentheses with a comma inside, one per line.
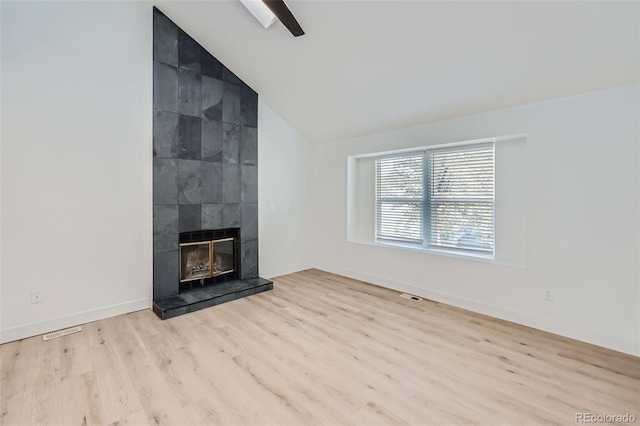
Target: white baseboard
(269,273)
(616,343)
(42,327)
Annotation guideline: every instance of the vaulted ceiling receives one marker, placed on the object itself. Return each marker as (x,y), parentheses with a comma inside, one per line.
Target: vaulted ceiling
(369,66)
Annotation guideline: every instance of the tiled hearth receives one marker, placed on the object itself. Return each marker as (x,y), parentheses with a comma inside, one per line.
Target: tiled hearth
(200,298)
(205,168)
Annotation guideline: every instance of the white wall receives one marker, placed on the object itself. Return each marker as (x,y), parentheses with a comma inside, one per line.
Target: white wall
(582,210)
(283,179)
(76,162)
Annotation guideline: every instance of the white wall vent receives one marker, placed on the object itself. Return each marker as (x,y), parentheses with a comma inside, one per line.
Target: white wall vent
(62,333)
(411,297)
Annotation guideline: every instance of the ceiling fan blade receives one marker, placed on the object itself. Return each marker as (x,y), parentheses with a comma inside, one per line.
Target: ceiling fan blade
(280,9)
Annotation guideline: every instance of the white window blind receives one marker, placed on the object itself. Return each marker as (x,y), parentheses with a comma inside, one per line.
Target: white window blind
(461,191)
(400,198)
(441,199)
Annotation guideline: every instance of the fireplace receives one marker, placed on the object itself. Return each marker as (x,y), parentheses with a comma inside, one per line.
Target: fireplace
(209,266)
(208,257)
(205,177)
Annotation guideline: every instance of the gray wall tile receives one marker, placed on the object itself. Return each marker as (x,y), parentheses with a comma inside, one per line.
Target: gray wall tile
(249,260)
(211,182)
(189,52)
(212,90)
(165,40)
(212,216)
(165,228)
(165,181)
(231,215)
(249,223)
(249,190)
(230,143)
(165,274)
(211,140)
(231,104)
(248,107)
(165,134)
(189,182)
(189,217)
(249,146)
(211,67)
(165,87)
(189,93)
(189,137)
(229,76)
(231,183)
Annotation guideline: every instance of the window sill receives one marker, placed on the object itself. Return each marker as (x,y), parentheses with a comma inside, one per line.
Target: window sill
(414,248)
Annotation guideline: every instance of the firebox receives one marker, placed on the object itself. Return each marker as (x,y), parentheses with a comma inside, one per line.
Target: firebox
(208,257)
(195,261)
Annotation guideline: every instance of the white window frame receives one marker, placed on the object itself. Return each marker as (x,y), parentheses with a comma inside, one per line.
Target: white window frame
(426,244)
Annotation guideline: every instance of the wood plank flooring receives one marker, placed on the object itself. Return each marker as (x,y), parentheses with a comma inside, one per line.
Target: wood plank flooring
(318,349)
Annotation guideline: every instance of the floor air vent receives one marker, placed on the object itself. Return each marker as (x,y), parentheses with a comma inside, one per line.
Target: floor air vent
(61,333)
(411,296)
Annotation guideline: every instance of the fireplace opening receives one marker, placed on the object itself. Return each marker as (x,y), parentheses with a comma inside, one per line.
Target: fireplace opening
(222,256)
(195,261)
(208,257)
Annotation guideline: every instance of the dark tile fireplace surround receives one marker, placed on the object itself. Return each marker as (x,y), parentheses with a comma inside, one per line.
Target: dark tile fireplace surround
(205,172)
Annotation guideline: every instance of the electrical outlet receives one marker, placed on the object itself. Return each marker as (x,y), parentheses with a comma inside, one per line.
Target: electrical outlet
(36,296)
(548,295)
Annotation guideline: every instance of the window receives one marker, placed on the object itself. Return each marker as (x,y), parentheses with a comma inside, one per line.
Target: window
(400,198)
(440,199)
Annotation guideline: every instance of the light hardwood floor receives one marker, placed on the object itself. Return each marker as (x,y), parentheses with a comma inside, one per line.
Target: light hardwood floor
(318,349)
